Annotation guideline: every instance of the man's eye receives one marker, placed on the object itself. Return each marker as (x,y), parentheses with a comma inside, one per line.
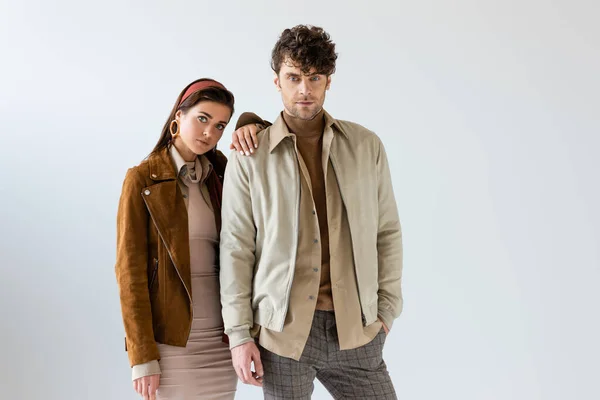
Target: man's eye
(293,78)
(315,78)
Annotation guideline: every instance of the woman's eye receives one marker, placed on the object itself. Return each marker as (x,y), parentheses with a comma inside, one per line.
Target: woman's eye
(202,118)
(220,127)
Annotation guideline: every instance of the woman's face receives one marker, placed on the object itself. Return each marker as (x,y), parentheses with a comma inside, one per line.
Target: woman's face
(201,127)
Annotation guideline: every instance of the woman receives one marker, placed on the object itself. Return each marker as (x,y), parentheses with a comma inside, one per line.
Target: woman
(168,227)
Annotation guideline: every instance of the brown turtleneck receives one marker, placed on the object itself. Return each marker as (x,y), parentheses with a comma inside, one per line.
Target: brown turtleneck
(309,140)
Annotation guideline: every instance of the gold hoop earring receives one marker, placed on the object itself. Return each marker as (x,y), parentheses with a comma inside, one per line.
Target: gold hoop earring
(176,133)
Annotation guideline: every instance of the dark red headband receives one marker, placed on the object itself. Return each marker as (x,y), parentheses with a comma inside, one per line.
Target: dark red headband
(195,87)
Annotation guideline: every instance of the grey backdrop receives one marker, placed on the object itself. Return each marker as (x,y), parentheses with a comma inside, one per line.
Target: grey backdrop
(488,110)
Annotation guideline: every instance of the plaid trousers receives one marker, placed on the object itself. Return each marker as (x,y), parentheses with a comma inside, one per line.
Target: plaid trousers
(358,373)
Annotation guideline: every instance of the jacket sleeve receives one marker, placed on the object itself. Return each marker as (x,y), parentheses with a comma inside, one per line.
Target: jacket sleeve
(131,271)
(237,249)
(389,245)
(248,118)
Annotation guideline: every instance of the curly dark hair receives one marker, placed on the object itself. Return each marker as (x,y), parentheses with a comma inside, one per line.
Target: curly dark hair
(308,47)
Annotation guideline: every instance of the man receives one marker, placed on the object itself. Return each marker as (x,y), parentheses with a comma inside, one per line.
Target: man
(311,251)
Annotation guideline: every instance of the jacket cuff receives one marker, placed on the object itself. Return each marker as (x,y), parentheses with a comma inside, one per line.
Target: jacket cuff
(238,338)
(386,316)
(146,369)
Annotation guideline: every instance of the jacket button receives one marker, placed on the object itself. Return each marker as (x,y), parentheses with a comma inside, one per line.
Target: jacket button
(146,192)
(154,175)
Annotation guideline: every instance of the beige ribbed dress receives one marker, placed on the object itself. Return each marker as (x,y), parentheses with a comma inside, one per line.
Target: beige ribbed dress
(202,369)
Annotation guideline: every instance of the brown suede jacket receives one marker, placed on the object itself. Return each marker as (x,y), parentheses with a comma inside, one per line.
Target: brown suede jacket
(153,254)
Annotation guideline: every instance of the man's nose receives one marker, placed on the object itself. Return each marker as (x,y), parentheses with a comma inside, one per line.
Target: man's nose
(304,87)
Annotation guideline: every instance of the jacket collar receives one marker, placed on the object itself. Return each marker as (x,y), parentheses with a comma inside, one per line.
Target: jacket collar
(167,163)
(161,166)
(280,131)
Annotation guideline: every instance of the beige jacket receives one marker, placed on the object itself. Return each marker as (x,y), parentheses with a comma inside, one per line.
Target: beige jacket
(259,235)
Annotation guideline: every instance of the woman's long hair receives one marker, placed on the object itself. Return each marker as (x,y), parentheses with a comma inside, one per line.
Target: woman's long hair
(214,181)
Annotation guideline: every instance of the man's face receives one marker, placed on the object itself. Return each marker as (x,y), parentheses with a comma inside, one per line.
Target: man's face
(303,95)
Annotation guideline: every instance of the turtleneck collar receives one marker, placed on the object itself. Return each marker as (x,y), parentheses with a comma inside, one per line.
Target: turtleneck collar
(196,171)
(305,128)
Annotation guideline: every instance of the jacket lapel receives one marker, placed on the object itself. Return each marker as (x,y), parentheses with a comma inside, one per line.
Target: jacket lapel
(169,214)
